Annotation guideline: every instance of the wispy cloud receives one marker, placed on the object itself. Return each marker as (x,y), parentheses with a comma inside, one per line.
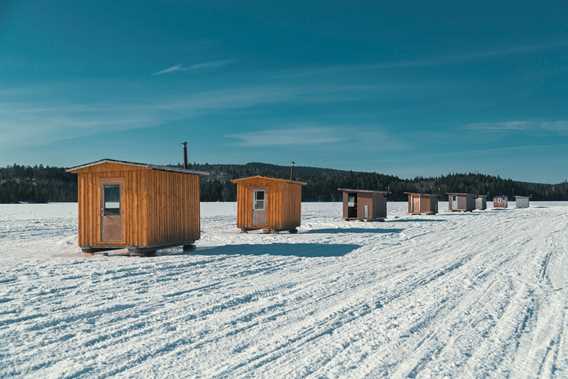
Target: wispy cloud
(362,137)
(283,137)
(440,60)
(40,120)
(558,126)
(195,67)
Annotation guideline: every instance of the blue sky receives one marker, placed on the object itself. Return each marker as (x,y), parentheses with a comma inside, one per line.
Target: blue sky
(407,88)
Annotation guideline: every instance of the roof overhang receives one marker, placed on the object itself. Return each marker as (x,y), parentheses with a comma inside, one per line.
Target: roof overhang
(180,170)
(362,191)
(266,178)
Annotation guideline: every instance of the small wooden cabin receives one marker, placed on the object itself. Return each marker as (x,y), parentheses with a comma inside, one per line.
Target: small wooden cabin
(522,201)
(268,203)
(500,202)
(461,202)
(137,206)
(422,203)
(364,205)
(481,202)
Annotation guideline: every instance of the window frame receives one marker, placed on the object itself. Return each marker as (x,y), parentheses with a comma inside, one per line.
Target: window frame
(106,211)
(256,201)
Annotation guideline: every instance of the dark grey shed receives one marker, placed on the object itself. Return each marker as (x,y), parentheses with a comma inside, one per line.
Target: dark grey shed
(461,202)
(364,205)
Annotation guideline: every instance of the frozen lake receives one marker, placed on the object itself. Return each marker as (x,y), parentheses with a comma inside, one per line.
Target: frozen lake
(481,294)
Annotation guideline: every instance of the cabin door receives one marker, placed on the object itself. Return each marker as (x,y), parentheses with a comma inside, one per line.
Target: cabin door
(259,207)
(111,212)
(417,204)
(352,205)
(455,204)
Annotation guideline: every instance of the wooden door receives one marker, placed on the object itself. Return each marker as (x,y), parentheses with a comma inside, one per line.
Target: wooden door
(111,212)
(259,202)
(416,204)
(352,205)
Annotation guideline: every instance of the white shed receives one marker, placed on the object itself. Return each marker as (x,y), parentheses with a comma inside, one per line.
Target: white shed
(522,201)
(481,202)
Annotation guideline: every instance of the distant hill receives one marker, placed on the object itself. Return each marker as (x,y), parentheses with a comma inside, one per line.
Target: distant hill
(51,184)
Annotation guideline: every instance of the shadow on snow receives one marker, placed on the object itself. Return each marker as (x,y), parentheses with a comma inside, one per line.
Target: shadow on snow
(355,230)
(416,220)
(304,250)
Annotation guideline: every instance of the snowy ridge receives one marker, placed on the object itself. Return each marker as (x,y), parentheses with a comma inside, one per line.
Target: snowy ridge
(477,294)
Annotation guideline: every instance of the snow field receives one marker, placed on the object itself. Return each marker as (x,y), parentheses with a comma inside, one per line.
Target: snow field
(480,294)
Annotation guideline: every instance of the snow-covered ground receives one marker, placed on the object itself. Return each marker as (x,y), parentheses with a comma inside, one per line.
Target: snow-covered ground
(465,295)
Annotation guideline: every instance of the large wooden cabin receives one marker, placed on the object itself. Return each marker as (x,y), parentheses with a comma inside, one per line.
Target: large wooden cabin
(137,206)
(268,203)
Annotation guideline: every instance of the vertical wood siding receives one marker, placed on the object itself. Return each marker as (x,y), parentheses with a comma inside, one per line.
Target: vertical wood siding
(174,208)
(158,207)
(283,204)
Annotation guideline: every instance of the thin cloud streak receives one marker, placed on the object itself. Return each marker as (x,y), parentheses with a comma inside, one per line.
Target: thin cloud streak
(286,137)
(559,126)
(195,67)
(30,123)
(364,137)
(428,62)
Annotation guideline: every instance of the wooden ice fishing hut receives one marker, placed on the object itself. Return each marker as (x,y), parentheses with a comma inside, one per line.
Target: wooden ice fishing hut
(522,201)
(422,203)
(461,202)
(364,205)
(481,202)
(500,201)
(268,203)
(138,206)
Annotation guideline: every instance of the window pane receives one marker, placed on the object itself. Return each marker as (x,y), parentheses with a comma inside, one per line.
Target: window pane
(351,201)
(259,195)
(111,199)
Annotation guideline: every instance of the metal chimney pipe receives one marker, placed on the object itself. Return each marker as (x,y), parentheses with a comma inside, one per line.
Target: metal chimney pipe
(185,163)
(292,170)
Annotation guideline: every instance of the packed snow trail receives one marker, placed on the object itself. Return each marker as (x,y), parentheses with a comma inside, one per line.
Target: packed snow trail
(480,294)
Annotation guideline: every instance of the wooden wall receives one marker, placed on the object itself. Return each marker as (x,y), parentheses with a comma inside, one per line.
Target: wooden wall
(283,204)
(134,207)
(158,207)
(174,208)
(419,204)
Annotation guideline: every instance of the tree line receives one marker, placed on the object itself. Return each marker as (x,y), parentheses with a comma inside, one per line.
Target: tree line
(40,184)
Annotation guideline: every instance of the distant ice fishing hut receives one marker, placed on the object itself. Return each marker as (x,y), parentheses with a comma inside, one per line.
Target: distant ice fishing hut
(268,203)
(481,202)
(364,205)
(522,201)
(461,202)
(422,203)
(500,202)
(138,206)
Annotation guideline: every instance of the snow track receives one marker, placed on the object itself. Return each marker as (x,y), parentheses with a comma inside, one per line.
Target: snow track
(482,294)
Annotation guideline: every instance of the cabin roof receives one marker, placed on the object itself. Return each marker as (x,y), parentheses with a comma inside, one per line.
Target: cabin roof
(361,191)
(522,197)
(259,177)
(137,164)
(460,193)
(422,194)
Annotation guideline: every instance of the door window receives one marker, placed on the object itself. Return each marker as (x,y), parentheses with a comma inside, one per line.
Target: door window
(351,200)
(111,200)
(259,200)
